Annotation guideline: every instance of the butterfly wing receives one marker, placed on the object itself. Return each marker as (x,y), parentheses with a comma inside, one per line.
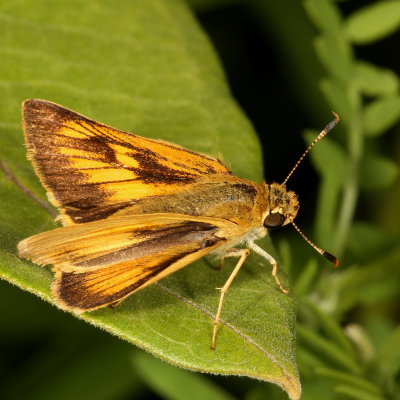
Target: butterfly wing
(91,170)
(103,262)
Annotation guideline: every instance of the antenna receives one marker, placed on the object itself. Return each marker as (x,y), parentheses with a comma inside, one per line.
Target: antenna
(324,253)
(323,133)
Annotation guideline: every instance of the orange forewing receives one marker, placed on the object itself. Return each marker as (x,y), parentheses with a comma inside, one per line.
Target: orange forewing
(91,170)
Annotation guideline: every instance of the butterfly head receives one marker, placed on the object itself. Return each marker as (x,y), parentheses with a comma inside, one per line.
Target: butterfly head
(283,206)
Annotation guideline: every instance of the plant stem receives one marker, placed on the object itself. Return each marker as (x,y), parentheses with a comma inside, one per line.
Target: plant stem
(351,187)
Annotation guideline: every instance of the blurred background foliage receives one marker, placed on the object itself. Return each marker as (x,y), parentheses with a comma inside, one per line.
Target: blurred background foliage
(288,64)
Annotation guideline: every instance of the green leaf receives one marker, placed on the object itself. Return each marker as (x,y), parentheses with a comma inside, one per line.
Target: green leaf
(306,278)
(386,365)
(332,164)
(335,54)
(372,283)
(146,67)
(357,394)
(330,156)
(175,383)
(377,172)
(366,242)
(331,47)
(325,15)
(338,98)
(331,328)
(326,348)
(350,379)
(375,81)
(381,115)
(373,22)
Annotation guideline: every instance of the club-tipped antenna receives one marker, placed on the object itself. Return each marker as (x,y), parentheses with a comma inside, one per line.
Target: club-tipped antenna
(323,133)
(324,253)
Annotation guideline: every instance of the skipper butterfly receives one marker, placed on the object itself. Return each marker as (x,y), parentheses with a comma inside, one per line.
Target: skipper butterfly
(135,210)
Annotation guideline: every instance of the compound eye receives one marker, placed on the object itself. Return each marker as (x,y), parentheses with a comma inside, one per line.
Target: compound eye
(274,220)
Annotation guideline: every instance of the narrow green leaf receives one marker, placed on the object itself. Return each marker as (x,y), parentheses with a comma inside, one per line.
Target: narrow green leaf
(144,67)
(381,115)
(330,156)
(367,243)
(365,285)
(375,81)
(327,349)
(336,56)
(309,360)
(386,365)
(346,378)
(377,172)
(325,15)
(373,22)
(175,383)
(332,164)
(307,276)
(358,394)
(326,220)
(331,328)
(338,98)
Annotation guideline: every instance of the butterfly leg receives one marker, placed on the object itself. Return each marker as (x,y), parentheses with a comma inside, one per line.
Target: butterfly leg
(229,253)
(243,254)
(272,261)
(221,262)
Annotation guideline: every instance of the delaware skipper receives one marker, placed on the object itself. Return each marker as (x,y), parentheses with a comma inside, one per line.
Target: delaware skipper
(134,210)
